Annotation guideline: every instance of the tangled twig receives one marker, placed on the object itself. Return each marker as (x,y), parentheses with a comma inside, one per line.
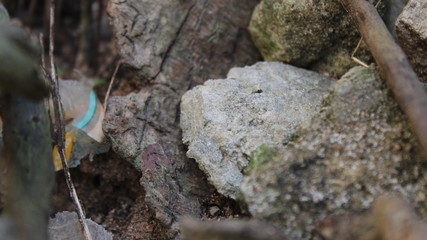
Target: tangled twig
(59,129)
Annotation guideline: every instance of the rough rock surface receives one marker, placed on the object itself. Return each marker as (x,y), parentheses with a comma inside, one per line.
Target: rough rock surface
(161,19)
(140,127)
(411,28)
(176,46)
(66,225)
(314,34)
(224,120)
(394,9)
(357,147)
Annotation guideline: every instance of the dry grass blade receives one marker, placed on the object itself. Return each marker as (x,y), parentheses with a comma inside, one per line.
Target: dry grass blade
(358,61)
(107,95)
(354,53)
(59,128)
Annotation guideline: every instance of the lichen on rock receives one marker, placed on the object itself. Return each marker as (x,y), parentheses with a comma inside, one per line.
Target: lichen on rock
(225,120)
(318,35)
(259,157)
(66,225)
(358,146)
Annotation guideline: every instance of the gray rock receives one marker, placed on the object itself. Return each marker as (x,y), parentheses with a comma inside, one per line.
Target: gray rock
(176,45)
(411,29)
(149,29)
(316,34)
(357,147)
(66,226)
(214,210)
(127,123)
(223,121)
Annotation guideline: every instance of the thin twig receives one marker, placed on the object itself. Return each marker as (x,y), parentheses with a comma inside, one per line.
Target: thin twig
(46,78)
(59,125)
(41,36)
(357,60)
(354,53)
(393,65)
(230,229)
(107,95)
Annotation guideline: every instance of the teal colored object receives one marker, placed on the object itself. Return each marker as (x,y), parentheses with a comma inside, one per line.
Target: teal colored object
(82,108)
(83,114)
(90,112)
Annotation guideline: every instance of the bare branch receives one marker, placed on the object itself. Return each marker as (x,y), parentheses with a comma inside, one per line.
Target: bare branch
(395,219)
(390,218)
(236,230)
(393,64)
(59,125)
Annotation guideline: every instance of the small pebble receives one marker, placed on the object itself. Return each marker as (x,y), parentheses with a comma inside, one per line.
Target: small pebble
(214,211)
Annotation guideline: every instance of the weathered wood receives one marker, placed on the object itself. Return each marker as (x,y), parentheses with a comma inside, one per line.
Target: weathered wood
(393,64)
(391,218)
(230,230)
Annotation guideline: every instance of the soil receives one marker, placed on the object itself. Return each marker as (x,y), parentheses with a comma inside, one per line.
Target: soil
(112,196)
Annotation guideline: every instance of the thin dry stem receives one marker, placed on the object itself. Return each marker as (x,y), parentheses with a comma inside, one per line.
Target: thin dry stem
(59,125)
(393,65)
(107,95)
(355,58)
(46,78)
(41,36)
